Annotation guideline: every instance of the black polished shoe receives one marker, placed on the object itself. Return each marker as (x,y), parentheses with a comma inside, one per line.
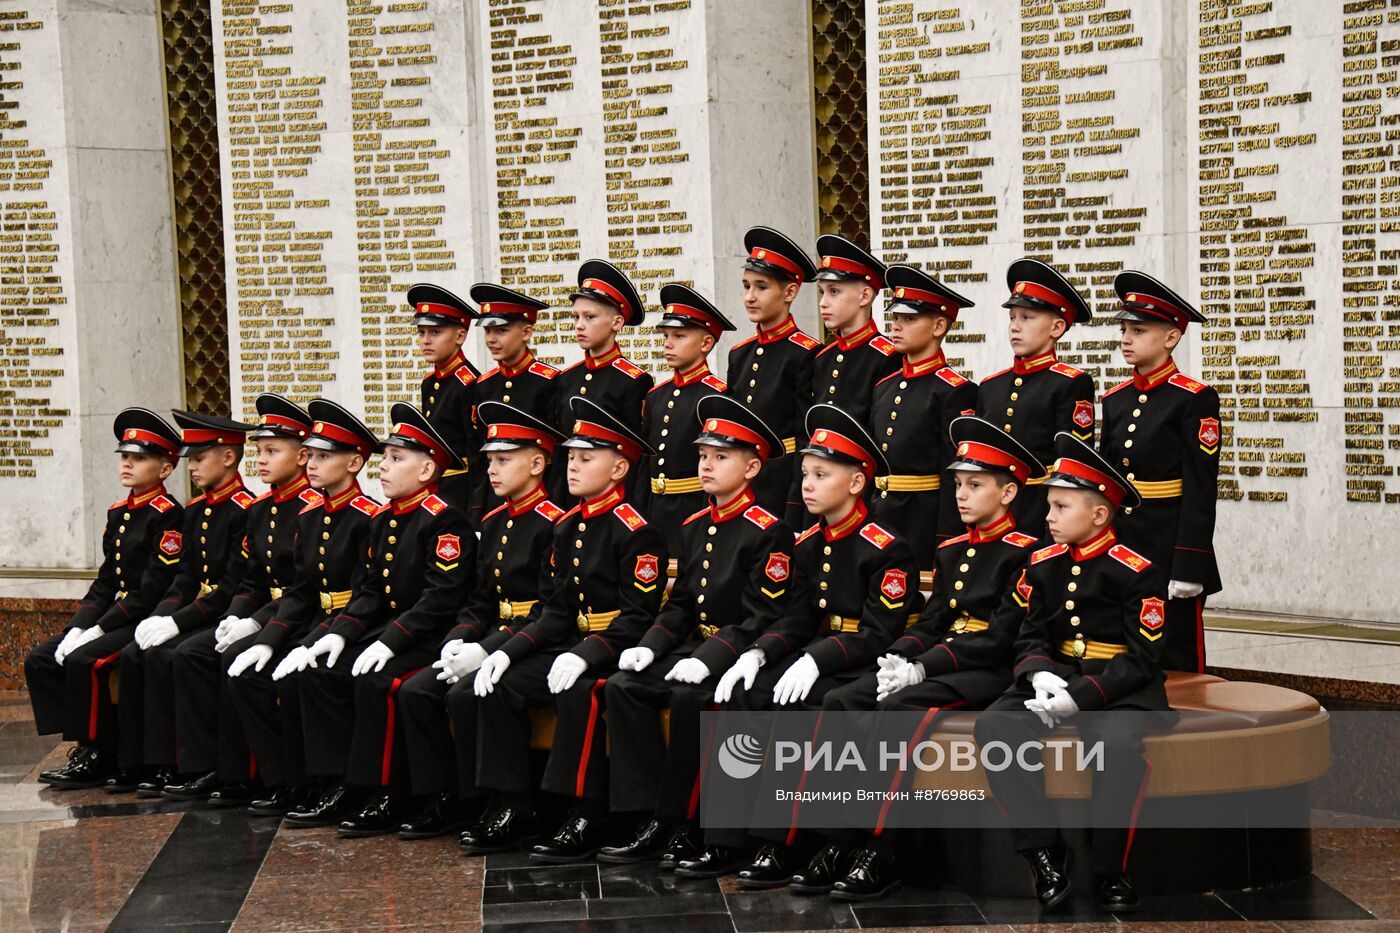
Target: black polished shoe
(378,817)
(872,875)
(83,771)
(1116,895)
(77,755)
(236,794)
(505,829)
(646,846)
(826,868)
(577,840)
(770,868)
(198,789)
(1051,871)
(327,809)
(123,782)
(682,847)
(282,800)
(712,862)
(156,782)
(443,816)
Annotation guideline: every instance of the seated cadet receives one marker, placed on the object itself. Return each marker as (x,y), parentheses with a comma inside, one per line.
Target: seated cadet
(959,654)
(141,549)
(1174,421)
(1092,640)
(331,543)
(212,745)
(420,566)
(609,580)
(447,396)
(513,573)
(216,523)
(850,600)
(670,491)
(846,370)
(735,561)
(910,413)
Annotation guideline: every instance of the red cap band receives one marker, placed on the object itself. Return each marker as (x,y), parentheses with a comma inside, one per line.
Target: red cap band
(701,317)
(338,434)
(842,444)
(1041,293)
(1108,485)
(530,312)
(289,424)
(598,285)
(948,307)
(628,447)
(1156,306)
(520,432)
(993,456)
(148,437)
(776,259)
(428,307)
(441,455)
(739,433)
(842,264)
(205,436)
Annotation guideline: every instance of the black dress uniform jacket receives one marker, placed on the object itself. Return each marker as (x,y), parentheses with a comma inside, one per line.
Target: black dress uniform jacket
(531,387)
(212,570)
(271,547)
(668,485)
(448,400)
(846,370)
(141,549)
(611,381)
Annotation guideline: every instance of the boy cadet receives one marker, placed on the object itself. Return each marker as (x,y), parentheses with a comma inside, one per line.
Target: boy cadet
(604,303)
(850,599)
(847,369)
(735,566)
(141,548)
(212,745)
(448,394)
(610,567)
(1162,429)
(959,654)
(215,526)
(1038,395)
(911,410)
(514,572)
(330,539)
(1092,640)
(421,564)
(771,372)
(670,489)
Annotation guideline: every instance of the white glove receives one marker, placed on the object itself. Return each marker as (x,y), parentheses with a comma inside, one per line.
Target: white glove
(1059,706)
(330,645)
(450,649)
(1045,683)
(689,671)
(157,630)
(372,659)
(221,630)
(235,630)
(1178,589)
(908,675)
(71,639)
(255,657)
(746,669)
(296,661)
(796,681)
(635,659)
(467,658)
(889,673)
(489,674)
(564,671)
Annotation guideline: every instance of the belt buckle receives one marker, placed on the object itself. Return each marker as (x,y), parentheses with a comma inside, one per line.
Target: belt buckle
(325,602)
(121,594)
(833,622)
(583,622)
(960,625)
(507,610)
(707,630)
(1079,648)
(660,484)
(275,592)
(205,589)
(882,483)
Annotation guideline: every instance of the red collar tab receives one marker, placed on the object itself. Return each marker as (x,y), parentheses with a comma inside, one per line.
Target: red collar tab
(777,259)
(291,488)
(851,267)
(924,367)
(224,491)
(994,531)
(1049,296)
(734,429)
(626,446)
(191,436)
(600,504)
(450,366)
(521,432)
(598,362)
(1158,308)
(987,455)
(1094,546)
(598,285)
(1106,484)
(409,503)
(332,432)
(860,336)
(137,499)
(149,437)
(441,456)
(529,312)
(340,501)
(1155,378)
(510,372)
(735,506)
(838,530)
(784,328)
(692,375)
(430,307)
(526,502)
(1033,364)
(844,445)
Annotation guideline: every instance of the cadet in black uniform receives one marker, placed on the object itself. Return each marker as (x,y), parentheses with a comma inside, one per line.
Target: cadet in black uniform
(141,548)
(448,394)
(1162,429)
(514,572)
(420,567)
(735,568)
(329,563)
(670,487)
(910,413)
(771,372)
(610,576)
(1092,640)
(215,528)
(1039,395)
(847,369)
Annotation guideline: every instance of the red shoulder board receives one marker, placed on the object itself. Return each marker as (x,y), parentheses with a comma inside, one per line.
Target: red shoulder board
(660,385)
(715,382)
(629,516)
(494,511)
(549,511)
(243,498)
(826,348)
(628,367)
(162,503)
(116,505)
(760,516)
(1129,558)
(567,514)
(743,343)
(951,376)
(1064,369)
(490,372)
(1045,553)
(1119,387)
(876,535)
(808,533)
(951,541)
(365,504)
(804,341)
(882,344)
(695,516)
(434,504)
(195,501)
(263,496)
(464,375)
(1019,539)
(311,508)
(311,497)
(1002,372)
(379,509)
(1187,383)
(544,369)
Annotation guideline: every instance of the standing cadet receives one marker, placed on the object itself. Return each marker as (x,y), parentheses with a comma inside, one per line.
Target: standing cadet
(448,394)
(735,565)
(771,372)
(329,563)
(1092,640)
(216,525)
(421,565)
(1039,396)
(847,369)
(141,548)
(513,573)
(670,488)
(911,411)
(1162,428)
(610,577)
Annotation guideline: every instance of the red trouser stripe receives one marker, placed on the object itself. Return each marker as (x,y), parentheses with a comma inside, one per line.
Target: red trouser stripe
(1137,806)
(899,775)
(801,783)
(387,768)
(1200,602)
(96,686)
(700,771)
(588,735)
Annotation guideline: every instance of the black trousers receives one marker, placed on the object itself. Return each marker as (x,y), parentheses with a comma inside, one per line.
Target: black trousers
(1117,788)
(146,710)
(73,698)
(209,736)
(269,713)
(1185,648)
(427,732)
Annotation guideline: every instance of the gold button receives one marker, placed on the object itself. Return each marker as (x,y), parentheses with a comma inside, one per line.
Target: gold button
(826,568)
(898,399)
(393,539)
(203,540)
(587,377)
(1069,604)
(1006,427)
(393,523)
(831,390)
(325,535)
(582,526)
(1074,620)
(271,524)
(208,511)
(705,564)
(204,525)
(269,539)
(823,585)
(1130,477)
(386,571)
(497,572)
(822,602)
(126,516)
(1132,428)
(1142,397)
(889,431)
(1128,443)
(389,556)
(958,585)
(704,581)
(1018,380)
(827,550)
(758,352)
(884,446)
(388,589)
(503,539)
(711,530)
(578,543)
(700,598)
(510,523)
(963,568)
(675,393)
(709,546)
(321,550)
(320,566)
(835,373)
(1137,412)
(119,542)
(970,552)
(952,604)
(326,520)
(1076,569)
(1010,412)
(1072,586)
(121,528)
(393,604)
(576,561)
(665,431)
(894,416)
(500,555)
(1015,396)
(436,386)
(754,367)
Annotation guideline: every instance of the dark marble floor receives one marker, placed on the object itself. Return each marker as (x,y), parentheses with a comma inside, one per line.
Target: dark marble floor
(83,860)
